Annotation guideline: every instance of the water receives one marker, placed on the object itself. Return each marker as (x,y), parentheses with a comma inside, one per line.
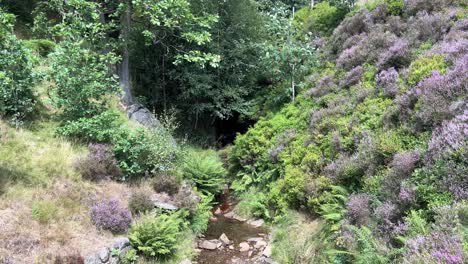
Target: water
(235,230)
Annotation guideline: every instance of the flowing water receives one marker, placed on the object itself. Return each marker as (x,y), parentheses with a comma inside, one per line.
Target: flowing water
(235,230)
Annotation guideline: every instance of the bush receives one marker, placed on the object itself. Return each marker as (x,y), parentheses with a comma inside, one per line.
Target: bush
(99,164)
(206,171)
(100,128)
(40,46)
(82,80)
(202,214)
(352,77)
(253,204)
(398,55)
(156,236)
(44,211)
(110,215)
(358,210)
(140,202)
(143,153)
(395,7)
(69,259)
(387,80)
(17,99)
(324,18)
(165,183)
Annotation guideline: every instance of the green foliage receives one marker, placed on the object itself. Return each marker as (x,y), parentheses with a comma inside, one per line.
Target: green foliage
(17,99)
(202,214)
(156,236)
(82,80)
(324,18)
(130,257)
(368,249)
(205,169)
(423,68)
(44,211)
(332,208)
(141,152)
(253,204)
(395,7)
(42,47)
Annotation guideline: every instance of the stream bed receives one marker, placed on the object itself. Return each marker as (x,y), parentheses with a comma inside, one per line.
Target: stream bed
(246,242)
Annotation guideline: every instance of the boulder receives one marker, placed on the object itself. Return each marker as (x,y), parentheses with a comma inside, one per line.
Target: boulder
(267,251)
(244,246)
(165,206)
(104,254)
(142,116)
(121,244)
(223,238)
(260,244)
(208,244)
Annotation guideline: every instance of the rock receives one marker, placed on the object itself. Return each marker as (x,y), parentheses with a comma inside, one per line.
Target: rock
(256,223)
(104,254)
(93,259)
(208,244)
(218,211)
(250,254)
(114,260)
(267,251)
(234,216)
(260,244)
(244,246)
(121,244)
(142,116)
(165,206)
(254,239)
(269,261)
(231,247)
(213,219)
(223,238)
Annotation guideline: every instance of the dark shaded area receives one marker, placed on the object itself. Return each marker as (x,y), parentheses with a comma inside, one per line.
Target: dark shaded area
(227,129)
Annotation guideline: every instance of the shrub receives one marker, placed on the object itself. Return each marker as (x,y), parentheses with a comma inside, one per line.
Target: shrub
(352,77)
(82,80)
(69,259)
(395,7)
(414,6)
(100,128)
(398,55)
(253,205)
(424,67)
(324,86)
(41,46)
(387,80)
(427,27)
(44,211)
(110,215)
(140,202)
(324,18)
(143,153)
(202,214)
(450,137)
(166,183)
(99,164)
(130,257)
(206,170)
(17,99)
(358,210)
(156,236)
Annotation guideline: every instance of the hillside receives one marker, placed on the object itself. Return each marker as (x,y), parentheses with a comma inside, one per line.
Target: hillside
(219,132)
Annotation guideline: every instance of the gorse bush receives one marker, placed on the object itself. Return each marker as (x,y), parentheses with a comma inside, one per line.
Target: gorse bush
(17,99)
(99,164)
(206,170)
(111,215)
(156,236)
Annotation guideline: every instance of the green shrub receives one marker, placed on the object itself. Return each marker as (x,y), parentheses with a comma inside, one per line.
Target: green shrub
(395,7)
(324,18)
(130,257)
(253,204)
(43,47)
(156,236)
(423,68)
(44,211)
(140,202)
(141,152)
(205,169)
(17,99)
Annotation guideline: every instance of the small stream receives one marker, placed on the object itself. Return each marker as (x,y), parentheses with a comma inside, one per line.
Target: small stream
(237,232)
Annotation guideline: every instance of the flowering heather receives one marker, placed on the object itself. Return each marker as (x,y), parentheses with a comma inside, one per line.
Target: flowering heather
(353,25)
(387,80)
(452,50)
(404,163)
(398,55)
(324,86)
(357,208)
(111,215)
(353,77)
(428,27)
(437,247)
(407,195)
(414,6)
(449,137)
(387,213)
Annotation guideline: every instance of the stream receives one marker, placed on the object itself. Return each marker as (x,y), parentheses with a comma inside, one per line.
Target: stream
(247,242)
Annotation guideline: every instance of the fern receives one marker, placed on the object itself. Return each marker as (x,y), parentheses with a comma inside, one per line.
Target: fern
(368,250)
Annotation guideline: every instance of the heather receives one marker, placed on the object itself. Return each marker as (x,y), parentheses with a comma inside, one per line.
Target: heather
(111,215)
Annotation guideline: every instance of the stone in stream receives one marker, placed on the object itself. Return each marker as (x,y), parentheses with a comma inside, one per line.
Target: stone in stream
(267,251)
(260,244)
(209,244)
(218,211)
(223,238)
(254,239)
(244,246)
(256,223)
(234,216)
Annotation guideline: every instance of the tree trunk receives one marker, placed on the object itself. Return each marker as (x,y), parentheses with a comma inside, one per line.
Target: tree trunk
(124,74)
